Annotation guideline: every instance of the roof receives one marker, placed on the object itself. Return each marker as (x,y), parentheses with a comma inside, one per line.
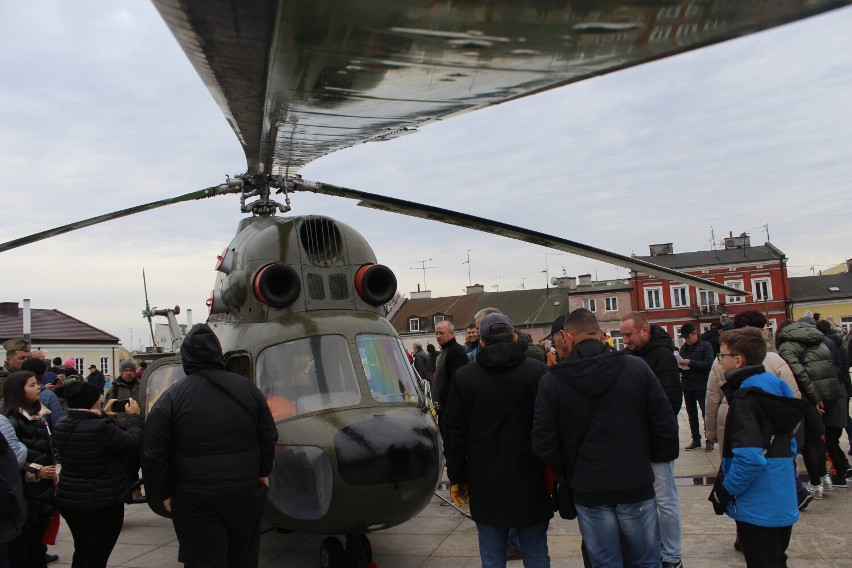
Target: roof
(458,309)
(816,288)
(52,326)
(701,258)
(526,308)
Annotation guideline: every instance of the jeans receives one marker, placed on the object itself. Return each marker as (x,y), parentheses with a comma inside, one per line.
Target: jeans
(690,398)
(493,541)
(668,510)
(633,526)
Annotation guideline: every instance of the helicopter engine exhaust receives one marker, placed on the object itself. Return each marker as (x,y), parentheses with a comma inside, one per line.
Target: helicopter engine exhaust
(375,283)
(277,285)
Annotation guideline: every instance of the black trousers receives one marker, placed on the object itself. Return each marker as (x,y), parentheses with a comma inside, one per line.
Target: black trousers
(764,547)
(27,550)
(95,533)
(219,530)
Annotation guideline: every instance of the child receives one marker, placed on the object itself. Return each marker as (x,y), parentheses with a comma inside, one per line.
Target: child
(759,449)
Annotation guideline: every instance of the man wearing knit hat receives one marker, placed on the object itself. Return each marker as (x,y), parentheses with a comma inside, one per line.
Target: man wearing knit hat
(126,386)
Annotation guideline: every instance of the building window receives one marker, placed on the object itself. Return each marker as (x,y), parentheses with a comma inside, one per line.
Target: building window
(438,319)
(589,304)
(611,304)
(846,323)
(617,340)
(414,324)
(738,284)
(762,288)
(105,365)
(680,297)
(653,298)
(80,364)
(706,300)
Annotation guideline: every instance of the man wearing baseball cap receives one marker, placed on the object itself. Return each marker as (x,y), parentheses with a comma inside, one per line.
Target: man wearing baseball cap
(96,378)
(487,426)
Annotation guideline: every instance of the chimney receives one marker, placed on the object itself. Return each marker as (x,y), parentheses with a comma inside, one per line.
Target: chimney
(475,289)
(661,249)
(568,282)
(418,295)
(743,241)
(584,280)
(28,321)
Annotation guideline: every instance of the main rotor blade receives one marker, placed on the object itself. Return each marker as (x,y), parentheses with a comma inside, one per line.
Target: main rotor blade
(200,194)
(432,213)
(147,312)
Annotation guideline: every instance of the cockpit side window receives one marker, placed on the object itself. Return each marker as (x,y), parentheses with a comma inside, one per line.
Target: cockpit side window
(307,375)
(159,380)
(388,370)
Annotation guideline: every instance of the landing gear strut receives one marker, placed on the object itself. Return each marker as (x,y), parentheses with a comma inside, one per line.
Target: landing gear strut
(357,554)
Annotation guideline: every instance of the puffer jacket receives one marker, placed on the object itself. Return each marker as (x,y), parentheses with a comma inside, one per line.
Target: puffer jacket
(801,346)
(33,433)
(757,460)
(93,451)
(716,405)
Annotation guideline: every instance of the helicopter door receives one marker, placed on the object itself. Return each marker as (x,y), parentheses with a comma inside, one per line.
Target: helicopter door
(158,377)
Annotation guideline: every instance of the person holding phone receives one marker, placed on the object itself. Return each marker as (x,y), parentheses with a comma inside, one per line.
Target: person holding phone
(94,483)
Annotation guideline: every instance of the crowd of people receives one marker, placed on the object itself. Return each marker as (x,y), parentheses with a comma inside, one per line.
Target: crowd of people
(70,450)
(545,423)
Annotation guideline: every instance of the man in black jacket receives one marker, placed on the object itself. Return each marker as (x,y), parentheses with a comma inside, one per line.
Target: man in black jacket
(697,358)
(209,445)
(656,348)
(601,418)
(487,425)
(452,357)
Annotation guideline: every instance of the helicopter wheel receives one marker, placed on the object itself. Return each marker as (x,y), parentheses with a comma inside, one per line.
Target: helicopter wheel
(358,551)
(332,553)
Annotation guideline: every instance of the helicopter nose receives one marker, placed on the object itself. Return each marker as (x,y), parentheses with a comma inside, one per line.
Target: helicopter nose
(386,449)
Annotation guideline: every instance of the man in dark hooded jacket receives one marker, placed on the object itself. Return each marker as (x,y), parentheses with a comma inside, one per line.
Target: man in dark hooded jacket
(209,445)
(601,418)
(487,425)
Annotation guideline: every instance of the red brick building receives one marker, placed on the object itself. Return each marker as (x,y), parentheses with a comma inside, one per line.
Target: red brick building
(759,270)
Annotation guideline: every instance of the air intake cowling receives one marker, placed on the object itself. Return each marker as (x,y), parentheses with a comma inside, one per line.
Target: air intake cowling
(375,283)
(277,285)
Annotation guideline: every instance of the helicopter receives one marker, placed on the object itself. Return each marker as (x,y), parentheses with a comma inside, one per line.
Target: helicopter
(297,299)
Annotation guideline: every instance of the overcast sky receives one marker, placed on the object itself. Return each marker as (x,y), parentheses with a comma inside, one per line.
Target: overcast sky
(100,110)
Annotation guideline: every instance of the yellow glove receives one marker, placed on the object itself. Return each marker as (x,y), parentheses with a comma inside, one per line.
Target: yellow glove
(458,491)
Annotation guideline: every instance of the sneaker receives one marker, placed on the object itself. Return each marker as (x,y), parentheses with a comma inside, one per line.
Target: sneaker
(676,564)
(804,497)
(709,447)
(848,474)
(693,445)
(815,490)
(50,558)
(838,481)
(826,483)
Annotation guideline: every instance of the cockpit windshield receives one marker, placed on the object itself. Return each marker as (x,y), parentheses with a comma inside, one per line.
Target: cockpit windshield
(306,375)
(389,373)
(159,380)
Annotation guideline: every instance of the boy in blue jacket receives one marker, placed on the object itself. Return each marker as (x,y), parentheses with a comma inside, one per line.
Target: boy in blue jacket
(759,448)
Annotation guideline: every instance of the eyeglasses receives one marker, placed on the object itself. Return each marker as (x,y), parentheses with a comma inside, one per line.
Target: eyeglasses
(720,356)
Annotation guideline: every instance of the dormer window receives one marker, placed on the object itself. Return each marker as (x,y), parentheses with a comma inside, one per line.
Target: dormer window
(413,324)
(439,319)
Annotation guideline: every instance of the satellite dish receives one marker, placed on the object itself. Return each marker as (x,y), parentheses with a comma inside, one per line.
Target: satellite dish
(553,281)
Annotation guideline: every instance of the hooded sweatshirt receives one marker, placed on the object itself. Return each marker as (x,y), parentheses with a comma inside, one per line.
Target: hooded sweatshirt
(615,399)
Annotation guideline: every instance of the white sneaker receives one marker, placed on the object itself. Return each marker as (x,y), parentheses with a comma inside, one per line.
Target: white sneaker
(815,490)
(826,483)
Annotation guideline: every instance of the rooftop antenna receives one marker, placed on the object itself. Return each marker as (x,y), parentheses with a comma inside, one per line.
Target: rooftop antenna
(547,270)
(496,284)
(523,283)
(424,268)
(467,262)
